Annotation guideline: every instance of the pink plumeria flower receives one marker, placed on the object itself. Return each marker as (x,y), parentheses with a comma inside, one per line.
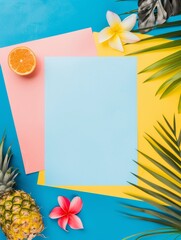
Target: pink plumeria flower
(66,213)
(118,31)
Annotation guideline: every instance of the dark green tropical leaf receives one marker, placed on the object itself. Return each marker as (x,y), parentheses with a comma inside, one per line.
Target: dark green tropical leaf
(170,24)
(165,150)
(156,195)
(173,66)
(162,216)
(169,212)
(166,158)
(168,134)
(160,178)
(163,208)
(174,126)
(179,105)
(171,44)
(164,61)
(175,149)
(171,88)
(179,139)
(128,12)
(169,125)
(174,78)
(163,168)
(174,34)
(156,233)
(159,189)
(166,24)
(158,214)
(155,204)
(154,220)
(159,230)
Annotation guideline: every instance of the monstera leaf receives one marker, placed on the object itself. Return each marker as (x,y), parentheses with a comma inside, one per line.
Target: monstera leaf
(151,12)
(156,12)
(175,6)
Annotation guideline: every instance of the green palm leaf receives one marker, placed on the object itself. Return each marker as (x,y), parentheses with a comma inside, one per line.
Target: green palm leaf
(157,196)
(128,12)
(159,148)
(169,142)
(173,66)
(162,46)
(174,34)
(166,65)
(152,233)
(168,187)
(162,167)
(168,219)
(172,138)
(171,80)
(172,87)
(164,61)
(154,220)
(163,208)
(160,189)
(166,24)
(179,105)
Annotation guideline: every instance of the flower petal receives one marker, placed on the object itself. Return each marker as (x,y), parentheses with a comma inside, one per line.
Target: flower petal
(112,18)
(57,212)
(64,203)
(74,222)
(128,37)
(115,43)
(105,34)
(129,22)
(75,205)
(62,222)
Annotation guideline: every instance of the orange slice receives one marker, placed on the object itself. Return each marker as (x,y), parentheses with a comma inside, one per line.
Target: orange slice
(22,61)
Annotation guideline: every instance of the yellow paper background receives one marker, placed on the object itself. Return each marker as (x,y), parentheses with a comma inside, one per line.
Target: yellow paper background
(150,110)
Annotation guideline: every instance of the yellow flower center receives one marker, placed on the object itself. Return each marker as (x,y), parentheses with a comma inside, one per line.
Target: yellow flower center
(117,28)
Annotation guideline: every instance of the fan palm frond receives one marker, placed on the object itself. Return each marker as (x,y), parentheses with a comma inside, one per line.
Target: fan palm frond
(165,194)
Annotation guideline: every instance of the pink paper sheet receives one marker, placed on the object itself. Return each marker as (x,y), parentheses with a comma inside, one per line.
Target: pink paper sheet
(26,94)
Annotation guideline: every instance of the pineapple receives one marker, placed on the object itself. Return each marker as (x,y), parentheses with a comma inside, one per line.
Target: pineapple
(19,215)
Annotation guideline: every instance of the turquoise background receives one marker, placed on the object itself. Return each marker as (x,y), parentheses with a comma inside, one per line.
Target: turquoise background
(20,21)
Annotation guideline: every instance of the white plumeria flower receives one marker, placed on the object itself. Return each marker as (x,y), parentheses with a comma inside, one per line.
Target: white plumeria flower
(118,31)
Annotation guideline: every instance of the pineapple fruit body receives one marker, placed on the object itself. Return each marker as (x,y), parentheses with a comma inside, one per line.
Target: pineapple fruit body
(19,216)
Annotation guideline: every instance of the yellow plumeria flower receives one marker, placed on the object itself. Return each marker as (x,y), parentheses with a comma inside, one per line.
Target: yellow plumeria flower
(118,31)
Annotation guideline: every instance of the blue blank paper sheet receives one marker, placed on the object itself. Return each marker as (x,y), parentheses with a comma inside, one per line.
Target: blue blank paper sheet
(91,118)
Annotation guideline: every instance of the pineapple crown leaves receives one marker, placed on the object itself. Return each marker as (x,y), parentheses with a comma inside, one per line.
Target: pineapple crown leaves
(164,193)
(7,174)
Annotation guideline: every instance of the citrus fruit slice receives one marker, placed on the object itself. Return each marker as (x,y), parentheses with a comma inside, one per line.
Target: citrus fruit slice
(22,61)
